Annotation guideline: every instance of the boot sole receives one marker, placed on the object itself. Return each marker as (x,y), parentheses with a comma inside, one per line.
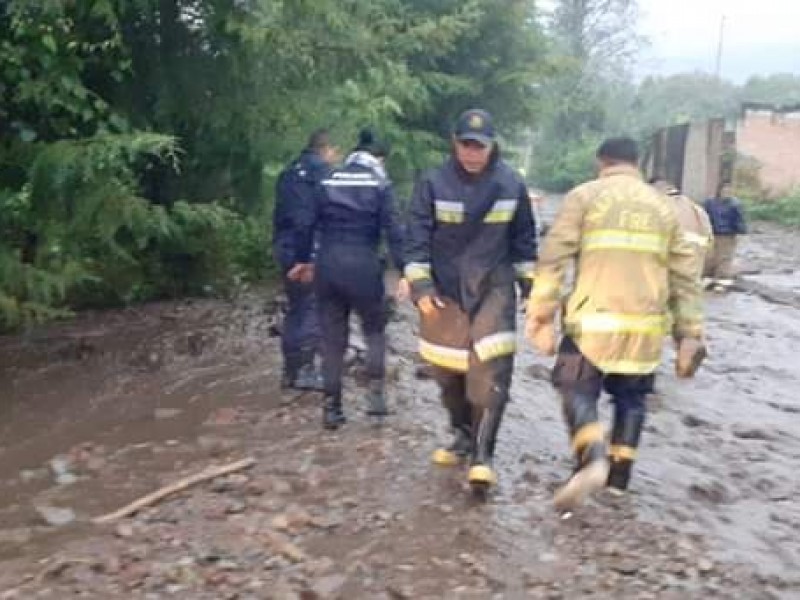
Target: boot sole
(584,483)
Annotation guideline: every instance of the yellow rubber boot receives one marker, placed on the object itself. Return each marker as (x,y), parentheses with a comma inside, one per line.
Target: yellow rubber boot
(482,476)
(454,454)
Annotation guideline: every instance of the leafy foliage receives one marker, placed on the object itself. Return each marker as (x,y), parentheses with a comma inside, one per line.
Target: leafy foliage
(784,210)
(140,139)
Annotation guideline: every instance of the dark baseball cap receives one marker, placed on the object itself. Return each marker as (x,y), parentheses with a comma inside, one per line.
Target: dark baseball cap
(476,125)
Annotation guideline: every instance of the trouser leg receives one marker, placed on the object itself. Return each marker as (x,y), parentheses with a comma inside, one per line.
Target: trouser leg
(300,335)
(628,395)
(334,313)
(488,384)
(579,383)
(453,390)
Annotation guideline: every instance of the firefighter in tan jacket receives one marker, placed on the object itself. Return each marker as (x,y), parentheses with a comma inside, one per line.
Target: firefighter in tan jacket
(632,269)
(693,221)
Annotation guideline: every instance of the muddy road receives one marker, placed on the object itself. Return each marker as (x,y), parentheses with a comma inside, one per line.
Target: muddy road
(100,411)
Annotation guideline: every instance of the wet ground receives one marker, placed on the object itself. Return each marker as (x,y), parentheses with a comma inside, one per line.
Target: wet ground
(100,411)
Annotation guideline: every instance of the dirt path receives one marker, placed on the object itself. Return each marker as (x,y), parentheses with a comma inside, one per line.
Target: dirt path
(105,409)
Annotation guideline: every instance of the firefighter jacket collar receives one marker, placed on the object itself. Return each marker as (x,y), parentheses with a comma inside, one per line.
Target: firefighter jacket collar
(365,159)
(621,169)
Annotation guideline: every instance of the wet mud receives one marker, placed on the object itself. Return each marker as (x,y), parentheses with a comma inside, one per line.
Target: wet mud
(102,410)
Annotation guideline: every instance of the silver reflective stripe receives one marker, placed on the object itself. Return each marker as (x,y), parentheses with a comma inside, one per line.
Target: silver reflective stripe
(505,205)
(353,183)
(449,206)
(524,269)
(496,345)
(346,175)
(696,238)
(417,271)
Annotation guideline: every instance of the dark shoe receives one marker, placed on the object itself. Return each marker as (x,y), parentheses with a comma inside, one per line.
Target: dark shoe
(307,379)
(376,400)
(332,414)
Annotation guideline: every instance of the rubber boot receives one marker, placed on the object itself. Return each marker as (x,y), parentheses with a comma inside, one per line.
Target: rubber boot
(482,473)
(460,412)
(376,399)
(457,451)
(625,436)
(591,473)
(332,413)
(308,379)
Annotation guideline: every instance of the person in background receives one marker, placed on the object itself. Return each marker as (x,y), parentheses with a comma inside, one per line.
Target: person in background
(693,220)
(353,212)
(471,235)
(294,200)
(727,222)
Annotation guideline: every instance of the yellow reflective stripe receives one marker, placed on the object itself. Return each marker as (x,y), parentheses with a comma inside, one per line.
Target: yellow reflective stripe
(496,345)
(545,289)
(696,239)
(417,271)
(455,359)
(628,367)
(524,270)
(620,323)
(591,433)
(502,212)
(620,239)
(449,212)
(620,452)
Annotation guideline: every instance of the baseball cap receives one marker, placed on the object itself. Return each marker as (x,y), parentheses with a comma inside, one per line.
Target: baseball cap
(476,125)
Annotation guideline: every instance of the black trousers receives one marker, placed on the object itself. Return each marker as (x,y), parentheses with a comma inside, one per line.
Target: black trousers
(350,279)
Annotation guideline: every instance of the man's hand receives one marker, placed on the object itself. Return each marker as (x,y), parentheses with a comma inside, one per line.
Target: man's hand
(301,272)
(691,352)
(403,292)
(542,334)
(428,305)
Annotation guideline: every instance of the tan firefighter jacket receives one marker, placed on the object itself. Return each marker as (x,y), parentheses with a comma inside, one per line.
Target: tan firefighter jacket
(695,227)
(632,269)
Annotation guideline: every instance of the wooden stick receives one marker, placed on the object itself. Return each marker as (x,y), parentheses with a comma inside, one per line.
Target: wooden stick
(174,488)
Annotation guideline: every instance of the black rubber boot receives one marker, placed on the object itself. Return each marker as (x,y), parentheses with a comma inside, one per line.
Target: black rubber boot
(482,473)
(625,436)
(308,379)
(586,433)
(376,399)
(332,413)
(460,411)
(458,451)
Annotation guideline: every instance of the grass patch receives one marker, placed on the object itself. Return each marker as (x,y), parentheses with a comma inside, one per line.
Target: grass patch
(785,211)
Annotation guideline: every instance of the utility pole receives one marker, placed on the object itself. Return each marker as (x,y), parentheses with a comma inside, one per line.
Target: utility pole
(718,69)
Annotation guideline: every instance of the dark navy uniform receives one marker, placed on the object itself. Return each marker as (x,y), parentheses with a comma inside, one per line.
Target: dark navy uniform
(294,201)
(354,210)
(470,239)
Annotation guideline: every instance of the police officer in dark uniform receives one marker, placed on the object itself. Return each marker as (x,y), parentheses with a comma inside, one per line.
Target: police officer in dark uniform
(354,211)
(294,200)
(471,237)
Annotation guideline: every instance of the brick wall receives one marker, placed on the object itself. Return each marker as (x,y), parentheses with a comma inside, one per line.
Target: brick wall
(772,138)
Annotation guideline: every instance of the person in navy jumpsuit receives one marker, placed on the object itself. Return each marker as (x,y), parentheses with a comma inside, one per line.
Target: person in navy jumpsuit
(300,336)
(354,211)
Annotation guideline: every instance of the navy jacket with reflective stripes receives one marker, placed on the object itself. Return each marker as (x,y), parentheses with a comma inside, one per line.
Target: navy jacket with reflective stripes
(468,235)
(294,202)
(354,205)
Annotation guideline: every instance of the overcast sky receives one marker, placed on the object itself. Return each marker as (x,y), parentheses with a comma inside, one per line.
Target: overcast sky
(761,36)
